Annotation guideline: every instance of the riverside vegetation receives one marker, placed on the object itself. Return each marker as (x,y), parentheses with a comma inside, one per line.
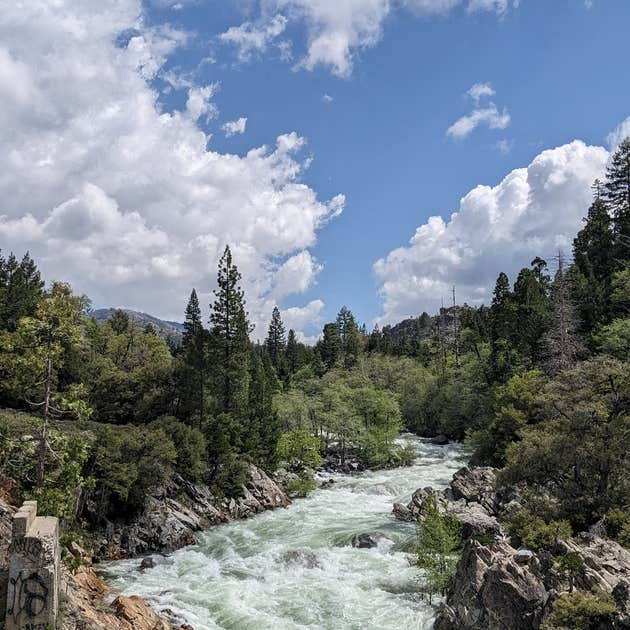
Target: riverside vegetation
(98,414)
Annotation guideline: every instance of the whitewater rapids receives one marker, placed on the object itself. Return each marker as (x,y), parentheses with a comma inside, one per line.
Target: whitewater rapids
(295,568)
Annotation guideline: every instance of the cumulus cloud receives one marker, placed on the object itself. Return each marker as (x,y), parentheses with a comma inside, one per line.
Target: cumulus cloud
(234,127)
(250,38)
(336,30)
(484,113)
(123,199)
(327,98)
(534,211)
(620,132)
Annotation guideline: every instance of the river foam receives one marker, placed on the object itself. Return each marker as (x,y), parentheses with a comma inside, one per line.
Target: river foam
(295,568)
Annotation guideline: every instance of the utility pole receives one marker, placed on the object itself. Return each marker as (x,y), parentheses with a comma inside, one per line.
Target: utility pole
(455,331)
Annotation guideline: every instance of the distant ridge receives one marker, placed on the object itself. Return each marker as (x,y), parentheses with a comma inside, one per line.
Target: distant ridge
(164,328)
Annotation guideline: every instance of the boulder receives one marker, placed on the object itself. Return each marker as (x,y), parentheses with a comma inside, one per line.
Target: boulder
(476,485)
(138,614)
(490,591)
(303,557)
(367,541)
(440,440)
(147,563)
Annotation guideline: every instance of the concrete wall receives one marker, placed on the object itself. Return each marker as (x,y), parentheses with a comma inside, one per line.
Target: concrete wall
(34,561)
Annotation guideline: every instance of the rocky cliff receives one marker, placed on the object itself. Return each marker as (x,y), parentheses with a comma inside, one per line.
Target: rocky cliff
(499,587)
(174,512)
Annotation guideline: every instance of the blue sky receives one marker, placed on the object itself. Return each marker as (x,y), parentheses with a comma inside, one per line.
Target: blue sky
(397,73)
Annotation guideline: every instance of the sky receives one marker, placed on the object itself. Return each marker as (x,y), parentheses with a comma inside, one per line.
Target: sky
(368,153)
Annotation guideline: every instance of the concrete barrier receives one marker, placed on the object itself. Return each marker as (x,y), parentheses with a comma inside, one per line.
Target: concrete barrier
(34,564)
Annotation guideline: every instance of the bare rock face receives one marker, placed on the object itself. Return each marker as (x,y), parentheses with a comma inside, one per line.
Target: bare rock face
(138,614)
(175,512)
(471,498)
(491,591)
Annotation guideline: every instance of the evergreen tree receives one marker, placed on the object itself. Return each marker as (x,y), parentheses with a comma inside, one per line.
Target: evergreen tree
(617,195)
(230,339)
(562,343)
(374,340)
(276,341)
(533,310)
(330,346)
(344,319)
(352,344)
(193,325)
(194,357)
(293,353)
(502,321)
(21,289)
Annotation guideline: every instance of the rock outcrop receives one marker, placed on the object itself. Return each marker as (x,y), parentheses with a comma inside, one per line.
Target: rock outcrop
(173,513)
(470,497)
(497,587)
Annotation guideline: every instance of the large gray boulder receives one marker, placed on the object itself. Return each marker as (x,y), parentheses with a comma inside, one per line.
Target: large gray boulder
(491,591)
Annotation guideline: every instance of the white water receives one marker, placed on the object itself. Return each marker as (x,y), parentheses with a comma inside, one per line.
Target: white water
(258,574)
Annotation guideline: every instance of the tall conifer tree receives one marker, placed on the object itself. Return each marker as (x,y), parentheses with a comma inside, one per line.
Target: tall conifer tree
(276,340)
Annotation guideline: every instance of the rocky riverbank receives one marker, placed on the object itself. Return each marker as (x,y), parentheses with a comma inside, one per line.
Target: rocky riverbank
(499,587)
(175,511)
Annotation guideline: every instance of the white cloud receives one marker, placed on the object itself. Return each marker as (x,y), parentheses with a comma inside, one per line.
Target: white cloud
(483,114)
(234,127)
(504,146)
(532,212)
(480,90)
(620,132)
(337,30)
(250,38)
(123,199)
(489,116)
(327,98)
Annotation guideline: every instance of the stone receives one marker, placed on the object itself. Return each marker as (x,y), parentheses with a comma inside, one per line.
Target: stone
(303,557)
(367,541)
(138,613)
(523,556)
(492,592)
(147,563)
(34,565)
(440,440)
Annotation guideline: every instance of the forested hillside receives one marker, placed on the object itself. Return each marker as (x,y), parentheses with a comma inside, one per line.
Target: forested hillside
(537,382)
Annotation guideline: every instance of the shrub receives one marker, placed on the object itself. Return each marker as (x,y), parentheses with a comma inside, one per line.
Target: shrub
(618,525)
(128,462)
(299,446)
(582,611)
(532,531)
(190,445)
(301,486)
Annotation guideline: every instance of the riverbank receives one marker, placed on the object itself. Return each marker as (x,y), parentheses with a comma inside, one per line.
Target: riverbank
(297,567)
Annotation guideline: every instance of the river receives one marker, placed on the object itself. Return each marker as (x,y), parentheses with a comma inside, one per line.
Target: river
(295,568)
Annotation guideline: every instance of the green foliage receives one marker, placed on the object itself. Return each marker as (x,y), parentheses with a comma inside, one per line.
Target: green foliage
(582,611)
(190,445)
(614,339)
(578,452)
(438,542)
(570,566)
(126,463)
(533,532)
(617,521)
(301,486)
(299,447)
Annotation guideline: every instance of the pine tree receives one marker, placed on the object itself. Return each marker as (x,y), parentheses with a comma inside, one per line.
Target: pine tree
(562,342)
(276,340)
(194,357)
(21,289)
(230,338)
(330,346)
(352,344)
(344,319)
(593,254)
(293,353)
(617,196)
(193,325)
(374,340)
(502,318)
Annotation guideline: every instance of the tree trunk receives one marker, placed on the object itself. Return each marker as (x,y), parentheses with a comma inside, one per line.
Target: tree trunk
(43,442)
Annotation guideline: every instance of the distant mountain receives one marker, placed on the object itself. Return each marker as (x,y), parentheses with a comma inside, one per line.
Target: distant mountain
(164,328)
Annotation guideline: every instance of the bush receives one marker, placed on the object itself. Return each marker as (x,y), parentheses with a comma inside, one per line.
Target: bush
(582,611)
(127,462)
(190,445)
(299,446)
(534,533)
(230,477)
(301,486)
(438,542)
(618,525)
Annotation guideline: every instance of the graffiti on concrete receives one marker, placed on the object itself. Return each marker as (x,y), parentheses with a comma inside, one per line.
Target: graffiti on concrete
(28,595)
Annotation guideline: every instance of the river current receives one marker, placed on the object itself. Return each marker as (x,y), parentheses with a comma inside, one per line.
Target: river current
(295,568)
